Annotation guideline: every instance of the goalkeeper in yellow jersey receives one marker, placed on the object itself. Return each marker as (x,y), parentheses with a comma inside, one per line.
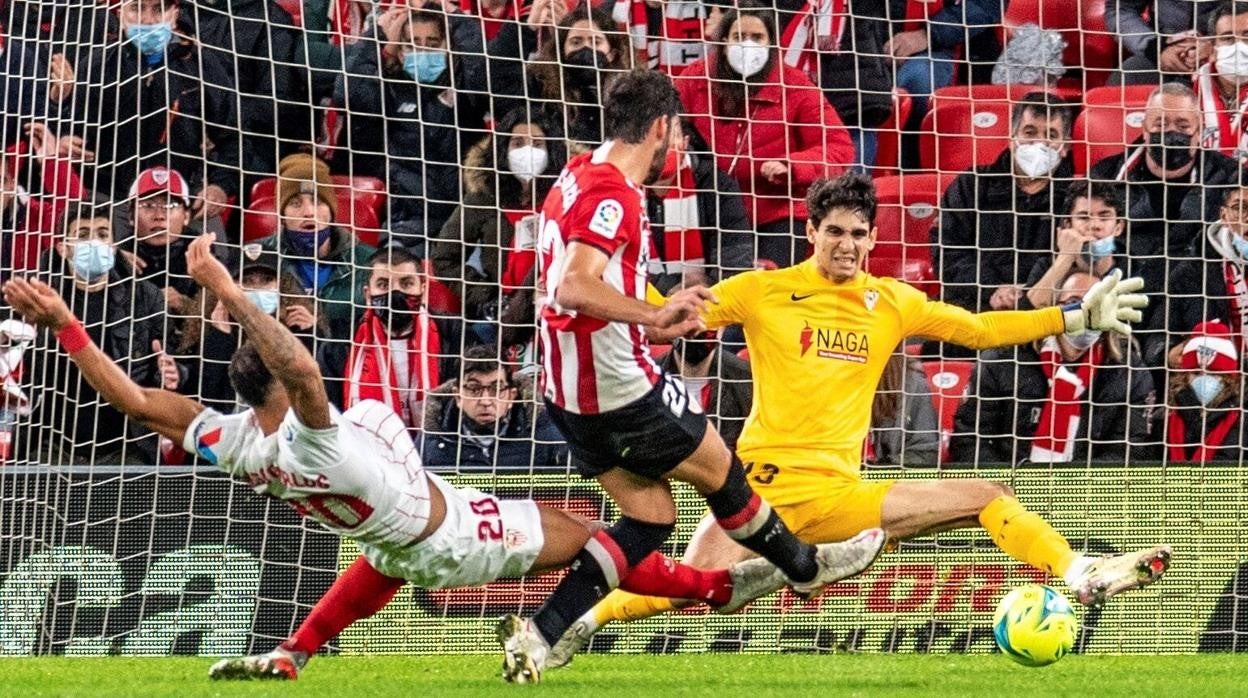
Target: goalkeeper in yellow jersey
(819,335)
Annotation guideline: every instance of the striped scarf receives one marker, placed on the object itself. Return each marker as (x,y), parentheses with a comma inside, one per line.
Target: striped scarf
(1220,132)
(1054,441)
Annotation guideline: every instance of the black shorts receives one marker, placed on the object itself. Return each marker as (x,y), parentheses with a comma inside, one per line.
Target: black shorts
(647,437)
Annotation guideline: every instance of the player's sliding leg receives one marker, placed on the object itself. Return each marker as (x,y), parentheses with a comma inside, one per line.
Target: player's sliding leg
(916,508)
(358,593)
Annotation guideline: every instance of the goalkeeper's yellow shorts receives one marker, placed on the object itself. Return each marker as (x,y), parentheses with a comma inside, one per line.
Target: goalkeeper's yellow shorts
(820,504)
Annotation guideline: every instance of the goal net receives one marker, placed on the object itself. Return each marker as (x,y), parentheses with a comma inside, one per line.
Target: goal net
(1018,154)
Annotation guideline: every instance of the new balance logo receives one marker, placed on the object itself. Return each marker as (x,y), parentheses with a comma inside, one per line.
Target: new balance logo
(794,297)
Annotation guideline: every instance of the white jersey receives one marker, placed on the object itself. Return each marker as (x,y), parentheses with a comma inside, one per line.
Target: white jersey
(361,478)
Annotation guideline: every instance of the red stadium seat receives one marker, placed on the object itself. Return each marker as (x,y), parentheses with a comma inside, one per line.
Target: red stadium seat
(959,134)
(949,381)
(1001,93)
(1112,118)
(744,354)
(439,297)
(294,8)
(888,142)
(1089,43)
(908,208)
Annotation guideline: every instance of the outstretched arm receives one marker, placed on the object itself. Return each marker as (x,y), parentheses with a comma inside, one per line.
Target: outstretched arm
(281,351)
(166,413)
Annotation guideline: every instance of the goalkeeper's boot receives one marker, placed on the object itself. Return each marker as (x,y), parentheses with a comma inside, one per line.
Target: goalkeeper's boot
(1115,574)
(842,560)
(524,650)
(281,664)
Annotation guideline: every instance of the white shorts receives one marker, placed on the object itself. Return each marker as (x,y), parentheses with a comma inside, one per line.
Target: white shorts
(481,539)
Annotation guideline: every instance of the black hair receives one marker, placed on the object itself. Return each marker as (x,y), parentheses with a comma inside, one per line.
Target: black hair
(1044,104)
(1225,9)
(250,378)
(852,190)
(1109,192)
(482,360)
(83,211)
(392,256)
(635,102)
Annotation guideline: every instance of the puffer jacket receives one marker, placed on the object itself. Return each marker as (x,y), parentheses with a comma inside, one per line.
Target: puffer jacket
(527,440)
(788,119)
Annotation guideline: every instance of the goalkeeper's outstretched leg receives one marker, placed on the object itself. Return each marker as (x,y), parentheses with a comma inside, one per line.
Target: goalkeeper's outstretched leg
(908,509)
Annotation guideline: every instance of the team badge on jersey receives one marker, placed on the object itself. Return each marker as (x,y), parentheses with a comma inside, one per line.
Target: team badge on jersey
(607,218)
(870,297)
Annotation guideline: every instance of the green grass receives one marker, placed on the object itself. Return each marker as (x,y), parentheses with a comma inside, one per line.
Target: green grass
(643,676)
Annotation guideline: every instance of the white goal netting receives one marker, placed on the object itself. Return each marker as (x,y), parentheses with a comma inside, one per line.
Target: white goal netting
(1020,150)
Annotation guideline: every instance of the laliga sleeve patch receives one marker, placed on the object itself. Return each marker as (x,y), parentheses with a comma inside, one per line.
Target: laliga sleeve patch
(607,218)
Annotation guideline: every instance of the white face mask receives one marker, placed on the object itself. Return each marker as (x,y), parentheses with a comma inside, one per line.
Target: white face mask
(747,57)
(1036,159)
(1232,61)
(527,162)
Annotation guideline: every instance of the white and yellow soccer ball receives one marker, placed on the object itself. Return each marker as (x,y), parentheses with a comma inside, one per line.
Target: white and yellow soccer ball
(1035,626)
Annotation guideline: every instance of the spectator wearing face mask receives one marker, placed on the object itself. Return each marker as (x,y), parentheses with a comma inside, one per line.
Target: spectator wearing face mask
(157,99)
(576,63)
(996,220)
(488,246)
(1204,419)
(126,319)
(1067,398)
(769,126)
(422,108)
(1090,224)
(1221,83)
(395,352)
(324,258)
(208,339)
(1212,283)
(489,421)
(1174,189)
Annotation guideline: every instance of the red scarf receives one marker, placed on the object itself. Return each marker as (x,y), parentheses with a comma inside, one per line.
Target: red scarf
(818,27)
(523,253)
(1221,132)
(674,43)
(682,229)
(1054,441)
(1177,444)
(370,370)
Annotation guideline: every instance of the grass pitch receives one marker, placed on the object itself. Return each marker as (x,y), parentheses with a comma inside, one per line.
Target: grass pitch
(641,676)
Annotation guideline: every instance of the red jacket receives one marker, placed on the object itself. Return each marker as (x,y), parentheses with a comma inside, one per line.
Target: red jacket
(787,120)
(40,225)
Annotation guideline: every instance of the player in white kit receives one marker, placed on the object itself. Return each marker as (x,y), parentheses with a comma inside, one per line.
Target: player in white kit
(358,473)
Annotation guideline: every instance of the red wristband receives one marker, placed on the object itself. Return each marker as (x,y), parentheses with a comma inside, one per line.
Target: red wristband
(73,337)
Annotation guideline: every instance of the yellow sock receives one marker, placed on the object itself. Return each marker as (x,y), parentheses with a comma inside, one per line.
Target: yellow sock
(1026,536)
(622,605)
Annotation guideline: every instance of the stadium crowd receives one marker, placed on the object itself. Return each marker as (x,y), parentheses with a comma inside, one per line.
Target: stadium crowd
(377,166)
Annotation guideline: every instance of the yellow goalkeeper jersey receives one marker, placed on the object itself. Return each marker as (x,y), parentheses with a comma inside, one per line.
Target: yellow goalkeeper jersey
(817,350)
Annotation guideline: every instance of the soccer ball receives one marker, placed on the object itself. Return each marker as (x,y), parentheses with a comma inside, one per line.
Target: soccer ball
(1034,625)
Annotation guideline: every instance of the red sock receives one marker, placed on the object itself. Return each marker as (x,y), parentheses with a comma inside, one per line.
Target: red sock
(360,592)
(659,575)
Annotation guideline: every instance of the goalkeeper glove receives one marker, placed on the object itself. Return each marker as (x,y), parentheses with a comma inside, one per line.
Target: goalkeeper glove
(1111,304)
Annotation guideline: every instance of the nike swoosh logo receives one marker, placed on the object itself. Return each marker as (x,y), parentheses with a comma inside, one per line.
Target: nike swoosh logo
(795,297)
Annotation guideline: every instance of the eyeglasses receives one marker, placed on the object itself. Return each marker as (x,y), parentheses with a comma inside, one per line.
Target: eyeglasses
(478,390)
(158,204)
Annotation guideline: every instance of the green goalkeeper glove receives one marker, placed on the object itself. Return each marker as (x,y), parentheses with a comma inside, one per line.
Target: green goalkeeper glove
(1111,304)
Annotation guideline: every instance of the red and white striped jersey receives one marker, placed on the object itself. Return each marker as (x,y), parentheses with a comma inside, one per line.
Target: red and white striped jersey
(590,365)
(361,478)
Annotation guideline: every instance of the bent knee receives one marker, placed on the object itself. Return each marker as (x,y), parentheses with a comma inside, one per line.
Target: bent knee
(990,490)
